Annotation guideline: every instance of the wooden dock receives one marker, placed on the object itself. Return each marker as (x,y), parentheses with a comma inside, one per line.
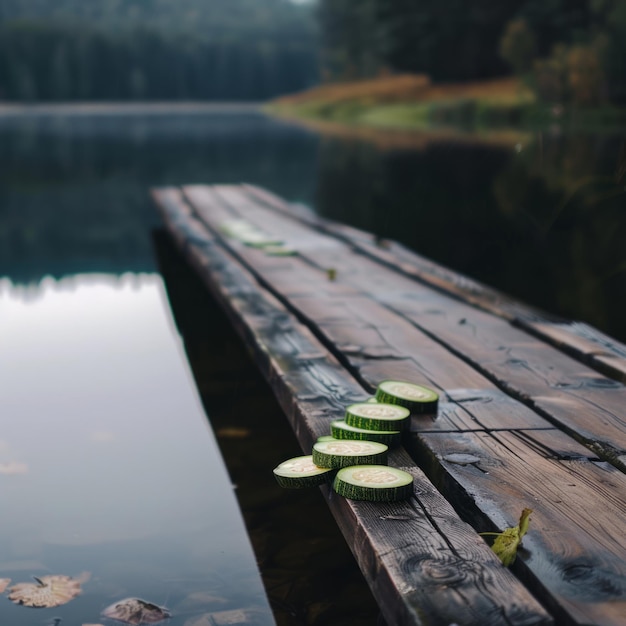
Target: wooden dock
(532,411)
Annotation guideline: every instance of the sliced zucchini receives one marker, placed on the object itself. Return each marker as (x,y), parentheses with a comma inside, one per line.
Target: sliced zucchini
(377,483)
(416,398)
(326,438)
(259,240)
(235,228)
(301,472)
(344,453)
(341,430)
(377,416)
(279,250)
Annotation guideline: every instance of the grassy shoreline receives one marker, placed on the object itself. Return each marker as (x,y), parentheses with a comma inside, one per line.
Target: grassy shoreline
(501,111)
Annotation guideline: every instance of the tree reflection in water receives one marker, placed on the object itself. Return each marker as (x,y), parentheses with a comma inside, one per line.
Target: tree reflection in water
(543,220)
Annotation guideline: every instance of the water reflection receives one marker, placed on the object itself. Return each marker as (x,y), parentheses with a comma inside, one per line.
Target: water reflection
(108,464)
(74,189)
(540,218)
(543,220)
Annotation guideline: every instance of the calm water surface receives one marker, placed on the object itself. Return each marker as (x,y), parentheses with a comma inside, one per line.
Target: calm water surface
(542,219)
(107,463)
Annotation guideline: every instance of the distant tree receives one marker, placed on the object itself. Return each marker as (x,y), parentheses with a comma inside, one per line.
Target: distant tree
(447,39)
(550,76)
(555,21)
(60,80)
(586,75)
(610,24)
(350,47)
(138,85)
(23,84)
(222,49)
(517,46)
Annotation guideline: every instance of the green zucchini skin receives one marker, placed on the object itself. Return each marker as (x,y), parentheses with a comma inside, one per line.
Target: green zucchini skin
(337,454)
(341,430)
(307,476)
(377,416)
(326,438)
(386,490)
(281,250)
(426,404)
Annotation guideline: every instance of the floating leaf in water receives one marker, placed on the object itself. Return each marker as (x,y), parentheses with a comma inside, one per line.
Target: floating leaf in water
(4,583)
(136,611)
(507,542)
(13,467)
(46,592)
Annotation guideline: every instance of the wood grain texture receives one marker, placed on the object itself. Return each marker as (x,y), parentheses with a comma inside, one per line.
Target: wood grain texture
(575,550)
(424,565)
(382,325)
(581,341)
(376,342)
(588,405)
(584,342)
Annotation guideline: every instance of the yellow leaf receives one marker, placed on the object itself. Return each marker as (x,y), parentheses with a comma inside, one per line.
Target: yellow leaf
(507,542)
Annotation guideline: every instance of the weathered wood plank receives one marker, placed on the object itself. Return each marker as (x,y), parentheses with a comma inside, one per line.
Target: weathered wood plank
(578,512)
(587,344)
(565,391)
(424,565)
(356,321)
(373,340)
(402,259)
(584,342)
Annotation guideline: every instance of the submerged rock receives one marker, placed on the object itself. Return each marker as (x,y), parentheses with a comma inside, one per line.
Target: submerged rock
(136,611)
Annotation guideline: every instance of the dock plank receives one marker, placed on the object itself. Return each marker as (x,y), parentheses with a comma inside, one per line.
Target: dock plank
(564,390)
(577,514)
(579,340)
(424,565)
(374,340)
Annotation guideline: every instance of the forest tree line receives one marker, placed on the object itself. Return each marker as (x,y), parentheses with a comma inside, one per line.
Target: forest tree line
(567,50)
(155,49)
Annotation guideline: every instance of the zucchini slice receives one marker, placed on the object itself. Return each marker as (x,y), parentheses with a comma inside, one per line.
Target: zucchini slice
(377,416)
(341,430)
(259,240)
(279,250)
(416,398)
(301,472)
(326,438)
(345,453)
(377,483)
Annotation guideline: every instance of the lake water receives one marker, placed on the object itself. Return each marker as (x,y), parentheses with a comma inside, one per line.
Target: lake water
(108,464)
(107,461)
(540,218)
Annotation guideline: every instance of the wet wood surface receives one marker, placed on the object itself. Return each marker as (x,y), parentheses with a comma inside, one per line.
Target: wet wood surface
(566,392)
(543,428)
(580,340)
